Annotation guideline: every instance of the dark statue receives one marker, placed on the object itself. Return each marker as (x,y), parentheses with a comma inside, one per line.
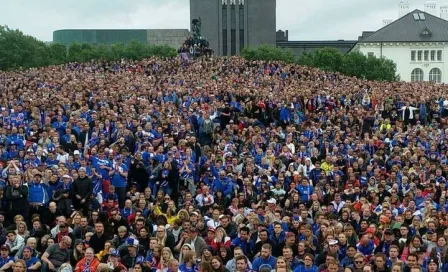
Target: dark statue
(196,27)
(196,45)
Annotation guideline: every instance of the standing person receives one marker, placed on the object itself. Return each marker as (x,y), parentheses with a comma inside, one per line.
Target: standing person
(119,175)
(82,190)
(408,115)
(38,195)
(17,197)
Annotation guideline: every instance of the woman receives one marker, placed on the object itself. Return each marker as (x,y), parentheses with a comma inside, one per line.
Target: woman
(206,255)
(440,250)
(143,237)
(218,265)
(170,214)
(189,262)
(281,265)
(221,239)
(77,253)
(308,237)
(166,255)
(89,263)
(413,245)
(185,248)
(205,267)
(19,266)
(163,238)
(22,230)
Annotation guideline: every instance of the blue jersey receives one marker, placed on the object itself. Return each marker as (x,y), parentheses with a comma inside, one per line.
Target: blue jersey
(118,180)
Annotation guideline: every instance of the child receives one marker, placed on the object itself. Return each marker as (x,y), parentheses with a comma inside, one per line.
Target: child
(110,195)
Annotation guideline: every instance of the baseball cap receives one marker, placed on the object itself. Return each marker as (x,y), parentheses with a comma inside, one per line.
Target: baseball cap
(131,242)
(290,234)
(76,152)
(272,201)
(333,242)
(83,169)
(4,247)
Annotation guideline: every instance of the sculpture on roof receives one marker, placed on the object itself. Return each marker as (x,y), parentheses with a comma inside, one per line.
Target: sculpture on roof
(196,27)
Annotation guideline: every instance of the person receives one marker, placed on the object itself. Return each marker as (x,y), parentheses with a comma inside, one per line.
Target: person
(32,263)
(19,266)
(14,241)
(6,261)
(89,263)
(196,242)
(265,259)
(82,191)
(17,197)
(56,254)
(242,264)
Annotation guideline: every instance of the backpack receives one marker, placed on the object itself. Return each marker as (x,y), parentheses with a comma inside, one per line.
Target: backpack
(207,127)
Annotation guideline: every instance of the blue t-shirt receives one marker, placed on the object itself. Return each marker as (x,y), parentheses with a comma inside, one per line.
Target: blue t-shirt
(118,180)
(32,261)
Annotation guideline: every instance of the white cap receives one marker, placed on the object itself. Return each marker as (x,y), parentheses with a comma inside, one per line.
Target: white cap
(333,242)
(272,201)
(76,152)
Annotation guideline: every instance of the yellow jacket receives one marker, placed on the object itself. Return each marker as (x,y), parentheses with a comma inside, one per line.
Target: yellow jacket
(170,219)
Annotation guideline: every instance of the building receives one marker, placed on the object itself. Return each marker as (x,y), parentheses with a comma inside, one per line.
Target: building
(416,42)
(172,37)
(300,47)
(231,25)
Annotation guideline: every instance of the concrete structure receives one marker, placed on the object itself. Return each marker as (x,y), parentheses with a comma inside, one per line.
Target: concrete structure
(416,42)
(172,37)
(431,7)
(231,25)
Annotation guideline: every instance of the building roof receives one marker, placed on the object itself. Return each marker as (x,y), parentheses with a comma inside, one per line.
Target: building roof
(416,26)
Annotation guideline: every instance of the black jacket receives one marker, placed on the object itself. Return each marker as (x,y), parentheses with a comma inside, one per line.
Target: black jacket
(82,187)
(17,198)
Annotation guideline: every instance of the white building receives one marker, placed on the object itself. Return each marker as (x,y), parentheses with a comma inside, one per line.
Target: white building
(417,42)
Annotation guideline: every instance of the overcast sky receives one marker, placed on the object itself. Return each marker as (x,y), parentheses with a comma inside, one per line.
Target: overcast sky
(305,19)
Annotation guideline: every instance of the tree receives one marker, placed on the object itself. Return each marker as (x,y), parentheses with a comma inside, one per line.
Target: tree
(18,50)
(352,64)
(268,53)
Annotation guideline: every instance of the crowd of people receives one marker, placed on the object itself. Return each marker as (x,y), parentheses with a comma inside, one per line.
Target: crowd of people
(220,165)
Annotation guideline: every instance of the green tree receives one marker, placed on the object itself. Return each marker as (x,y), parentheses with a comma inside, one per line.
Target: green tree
(353,64)
(268,53)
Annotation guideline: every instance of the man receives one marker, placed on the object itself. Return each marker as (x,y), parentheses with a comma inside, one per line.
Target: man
(350,257)
(6,261)
(130,259)
(31,242)
(80,231)
(265,259)
(394,252)
(82,191)
(213,223)
(359,262)
(332,266)
(228,226)
(231,265)
(333,250)
(17,198)
(244,242)
(56,255)
(196,243)
(242,264)
(61,220)
(278,238)
(307,265)
(289,257)
(263,238)
(119,175)
(38,196)
(290,241)
(32,263)
(99,238)
(388,240)
(116,220)
(14,241)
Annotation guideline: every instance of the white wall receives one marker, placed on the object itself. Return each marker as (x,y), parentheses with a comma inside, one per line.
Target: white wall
(401,55)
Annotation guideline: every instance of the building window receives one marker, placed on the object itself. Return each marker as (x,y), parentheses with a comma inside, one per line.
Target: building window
(439,55)
(433,55)
(426,55)
(370,54)
(413,55)
(241,39)
(419,55)
(435,75)
(417,74)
